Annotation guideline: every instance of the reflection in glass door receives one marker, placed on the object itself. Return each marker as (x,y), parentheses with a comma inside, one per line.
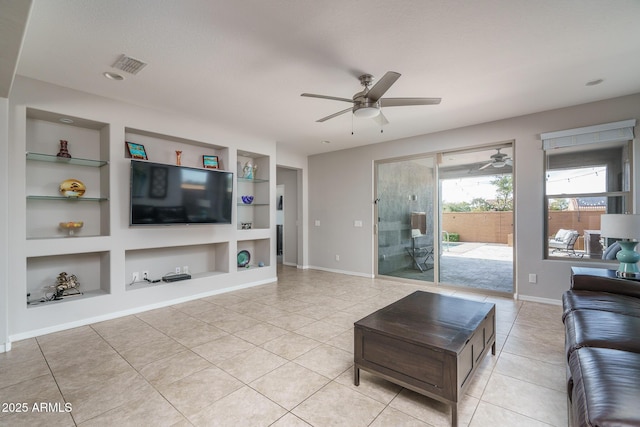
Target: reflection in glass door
(405,196)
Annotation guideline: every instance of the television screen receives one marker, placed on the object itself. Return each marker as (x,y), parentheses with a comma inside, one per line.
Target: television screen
(167,194)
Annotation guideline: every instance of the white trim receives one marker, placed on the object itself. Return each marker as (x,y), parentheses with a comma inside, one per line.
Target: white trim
(289,264)
(606,132)
(540,300)
(5,347)
(136,310)
(348,273)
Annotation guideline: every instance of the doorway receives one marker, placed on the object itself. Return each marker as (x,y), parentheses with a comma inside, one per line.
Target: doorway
(476,218)
(447,218)
(288,213)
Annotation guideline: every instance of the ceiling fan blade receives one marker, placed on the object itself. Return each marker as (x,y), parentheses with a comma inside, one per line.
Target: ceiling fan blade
(486,166)
(324,119)
(383,85)
(380,119)
(401,102)
(335,98)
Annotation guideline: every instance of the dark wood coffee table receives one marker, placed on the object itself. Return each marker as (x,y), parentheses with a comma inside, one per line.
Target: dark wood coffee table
(429,343)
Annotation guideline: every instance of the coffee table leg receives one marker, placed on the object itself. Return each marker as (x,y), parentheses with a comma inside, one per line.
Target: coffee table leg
(356,375)
(493,348)
(454,415)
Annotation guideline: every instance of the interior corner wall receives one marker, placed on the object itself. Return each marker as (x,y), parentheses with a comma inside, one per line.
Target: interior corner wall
(341,187)
(5,345)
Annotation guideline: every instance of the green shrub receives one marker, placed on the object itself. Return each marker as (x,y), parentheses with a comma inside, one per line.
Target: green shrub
(453,237)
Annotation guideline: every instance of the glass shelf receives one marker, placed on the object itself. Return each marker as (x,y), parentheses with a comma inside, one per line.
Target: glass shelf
(252,180)
(70,161)
(79,199)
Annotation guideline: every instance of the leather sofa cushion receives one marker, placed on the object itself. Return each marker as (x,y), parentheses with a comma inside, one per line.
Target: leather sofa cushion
(603,301)
(606,387)
(587,282)
(591,328)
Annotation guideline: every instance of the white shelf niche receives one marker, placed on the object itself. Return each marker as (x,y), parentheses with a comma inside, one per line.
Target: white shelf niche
(162,149)
(88,142)
(91,269)
(259,251)
(202,261)
(256,214)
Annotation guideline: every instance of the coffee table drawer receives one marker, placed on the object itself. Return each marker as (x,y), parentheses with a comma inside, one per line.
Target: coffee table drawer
(418,362)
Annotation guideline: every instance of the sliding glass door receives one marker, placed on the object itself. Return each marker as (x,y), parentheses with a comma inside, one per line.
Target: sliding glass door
(405,199)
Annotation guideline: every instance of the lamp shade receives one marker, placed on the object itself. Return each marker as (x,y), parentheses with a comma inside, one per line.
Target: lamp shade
(620,226)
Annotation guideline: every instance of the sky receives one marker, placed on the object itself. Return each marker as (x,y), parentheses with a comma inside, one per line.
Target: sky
(583,180)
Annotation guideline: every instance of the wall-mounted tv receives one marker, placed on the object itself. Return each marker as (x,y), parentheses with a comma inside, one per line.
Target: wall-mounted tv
(167,194)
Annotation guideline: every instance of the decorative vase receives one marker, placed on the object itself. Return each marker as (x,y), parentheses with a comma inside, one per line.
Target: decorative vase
(249,171)
(72,188)
(178,157)
(71,226)
(64,152)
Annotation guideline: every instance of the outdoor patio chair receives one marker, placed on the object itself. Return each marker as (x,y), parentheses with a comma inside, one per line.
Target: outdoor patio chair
(564,241)
(420,254)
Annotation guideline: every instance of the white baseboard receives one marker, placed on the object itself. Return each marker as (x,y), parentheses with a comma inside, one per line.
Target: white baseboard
(348,273)
(136,310)
(289,264)
(5,347)
(540,300)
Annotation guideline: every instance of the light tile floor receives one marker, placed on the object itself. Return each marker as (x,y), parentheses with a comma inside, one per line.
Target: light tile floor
(279,354)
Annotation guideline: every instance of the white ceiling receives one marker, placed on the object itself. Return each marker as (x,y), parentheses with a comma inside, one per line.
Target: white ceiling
(244,63)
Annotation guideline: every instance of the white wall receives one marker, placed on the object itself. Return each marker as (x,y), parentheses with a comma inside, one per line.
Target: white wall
(341,188)
(4,223)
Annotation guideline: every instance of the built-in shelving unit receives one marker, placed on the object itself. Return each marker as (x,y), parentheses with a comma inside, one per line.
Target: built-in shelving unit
(106,251)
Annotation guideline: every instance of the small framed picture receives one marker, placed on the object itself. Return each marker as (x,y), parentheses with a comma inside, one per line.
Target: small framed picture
(136,151)
(210,162)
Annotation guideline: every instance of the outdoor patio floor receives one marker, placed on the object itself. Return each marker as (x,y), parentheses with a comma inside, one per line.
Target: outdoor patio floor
(470,264)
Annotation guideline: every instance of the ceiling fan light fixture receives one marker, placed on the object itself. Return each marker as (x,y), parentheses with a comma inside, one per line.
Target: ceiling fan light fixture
(366,112)
(499,164)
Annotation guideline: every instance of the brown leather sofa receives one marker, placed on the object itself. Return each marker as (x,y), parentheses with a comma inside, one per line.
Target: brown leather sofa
(602,342)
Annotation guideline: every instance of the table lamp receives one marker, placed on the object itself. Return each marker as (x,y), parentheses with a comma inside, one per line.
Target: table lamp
(627,228)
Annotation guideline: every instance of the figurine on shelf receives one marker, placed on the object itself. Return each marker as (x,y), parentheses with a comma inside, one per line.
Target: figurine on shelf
(65,286)
(249,170)
(64,152)
(178,157)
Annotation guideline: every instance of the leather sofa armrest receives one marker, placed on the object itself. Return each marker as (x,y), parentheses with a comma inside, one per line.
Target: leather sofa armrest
(612,285)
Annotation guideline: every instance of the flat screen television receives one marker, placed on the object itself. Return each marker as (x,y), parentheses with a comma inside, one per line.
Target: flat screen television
(167,194)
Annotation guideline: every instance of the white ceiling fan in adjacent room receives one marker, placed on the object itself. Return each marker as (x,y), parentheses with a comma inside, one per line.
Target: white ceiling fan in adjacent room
(368,102)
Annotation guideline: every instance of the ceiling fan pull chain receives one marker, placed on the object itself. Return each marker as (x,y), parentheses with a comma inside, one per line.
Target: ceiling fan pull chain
(352,124)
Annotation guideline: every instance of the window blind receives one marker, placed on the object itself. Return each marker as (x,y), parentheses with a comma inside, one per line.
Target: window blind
(607,132)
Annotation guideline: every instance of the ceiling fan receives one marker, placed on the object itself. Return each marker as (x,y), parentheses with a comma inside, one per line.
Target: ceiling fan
(368,102)
(498,160)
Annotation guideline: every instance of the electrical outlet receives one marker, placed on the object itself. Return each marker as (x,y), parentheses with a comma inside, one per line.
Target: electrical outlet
(185,269)
(135,276)
(177,270)
(337,257)
(145,275)
(533,278)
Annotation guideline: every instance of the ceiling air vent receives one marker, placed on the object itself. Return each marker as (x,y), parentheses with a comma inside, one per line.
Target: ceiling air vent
(129,65)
